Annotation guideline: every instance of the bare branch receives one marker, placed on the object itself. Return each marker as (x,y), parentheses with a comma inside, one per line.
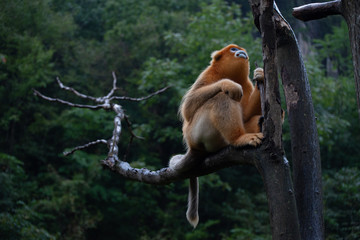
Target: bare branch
(127,153)
(133,135)
(106,100)
(37,93)
(129,124)
(141,98)
(85,146)
(114,88)
(315,11)
(62,86)
(113,143)
(227,157)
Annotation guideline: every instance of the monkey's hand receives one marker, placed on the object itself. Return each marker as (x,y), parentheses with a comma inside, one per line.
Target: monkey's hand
(259,74)
(232,89)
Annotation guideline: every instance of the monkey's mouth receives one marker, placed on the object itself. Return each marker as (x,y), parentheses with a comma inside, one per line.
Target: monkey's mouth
(241,54)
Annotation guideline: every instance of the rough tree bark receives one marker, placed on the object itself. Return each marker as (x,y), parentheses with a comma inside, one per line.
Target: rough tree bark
(350,10)
(304,139)
(272,165)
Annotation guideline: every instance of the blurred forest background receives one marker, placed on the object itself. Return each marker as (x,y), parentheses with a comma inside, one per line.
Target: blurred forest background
(150,45)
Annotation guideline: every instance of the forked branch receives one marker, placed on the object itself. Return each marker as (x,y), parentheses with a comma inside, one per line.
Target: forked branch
(227,157)
(106,103)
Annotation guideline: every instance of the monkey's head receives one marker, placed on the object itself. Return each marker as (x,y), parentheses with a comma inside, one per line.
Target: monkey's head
(231,62)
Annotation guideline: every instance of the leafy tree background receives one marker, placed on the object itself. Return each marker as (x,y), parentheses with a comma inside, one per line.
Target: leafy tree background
(149,44)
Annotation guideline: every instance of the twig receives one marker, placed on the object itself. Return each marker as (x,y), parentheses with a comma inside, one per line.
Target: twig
(130,129)
(127,153)
(37,93)
(70,89)
(140,98)
(106,104)
(114,88)
(85,146)
(133,135)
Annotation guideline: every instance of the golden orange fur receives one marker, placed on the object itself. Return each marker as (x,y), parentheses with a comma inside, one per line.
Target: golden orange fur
(221,108)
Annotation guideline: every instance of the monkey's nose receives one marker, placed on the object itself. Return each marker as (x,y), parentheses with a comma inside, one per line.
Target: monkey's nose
(241,54)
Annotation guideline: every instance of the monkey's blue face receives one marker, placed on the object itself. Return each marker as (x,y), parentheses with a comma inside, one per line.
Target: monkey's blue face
(238,53)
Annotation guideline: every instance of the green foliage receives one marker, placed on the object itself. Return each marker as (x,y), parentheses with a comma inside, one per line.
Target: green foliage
(336,47)
(214,27)
(335,99)
(65,197)
(342,204)
(17,217)
(249,214)
(17,226)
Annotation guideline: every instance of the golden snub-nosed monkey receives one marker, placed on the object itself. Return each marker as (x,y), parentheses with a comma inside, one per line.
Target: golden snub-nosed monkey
(221,108)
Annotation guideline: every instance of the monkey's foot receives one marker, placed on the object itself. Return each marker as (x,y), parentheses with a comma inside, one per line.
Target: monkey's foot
(259,74)
(252,139)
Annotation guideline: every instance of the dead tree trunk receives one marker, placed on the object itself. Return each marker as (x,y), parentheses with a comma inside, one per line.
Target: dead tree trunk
(304,138)
(272,165)
(350,10)
(351,13)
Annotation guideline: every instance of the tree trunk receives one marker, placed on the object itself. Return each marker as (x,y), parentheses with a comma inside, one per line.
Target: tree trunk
(272,165)
(304,139)
(275,171)
(351,13)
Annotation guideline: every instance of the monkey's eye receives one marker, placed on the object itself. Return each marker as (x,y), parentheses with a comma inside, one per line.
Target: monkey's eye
(233,49)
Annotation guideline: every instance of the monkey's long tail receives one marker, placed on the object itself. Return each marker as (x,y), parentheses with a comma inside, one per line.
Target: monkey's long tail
(193,202)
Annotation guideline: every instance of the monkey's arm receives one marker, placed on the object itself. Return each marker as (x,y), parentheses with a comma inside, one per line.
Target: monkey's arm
(253,106)
(197,97)
(194,99)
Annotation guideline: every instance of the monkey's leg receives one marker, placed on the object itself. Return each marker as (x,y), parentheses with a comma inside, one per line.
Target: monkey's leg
(227,118)
(253,107)
(254,124)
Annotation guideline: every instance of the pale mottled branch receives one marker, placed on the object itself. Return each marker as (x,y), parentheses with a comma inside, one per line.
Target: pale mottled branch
(107,105)
(113,143)
(85,146)
(227,157)
(315,11)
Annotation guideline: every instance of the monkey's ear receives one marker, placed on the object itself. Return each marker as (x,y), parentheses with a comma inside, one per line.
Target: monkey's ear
(216,55)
